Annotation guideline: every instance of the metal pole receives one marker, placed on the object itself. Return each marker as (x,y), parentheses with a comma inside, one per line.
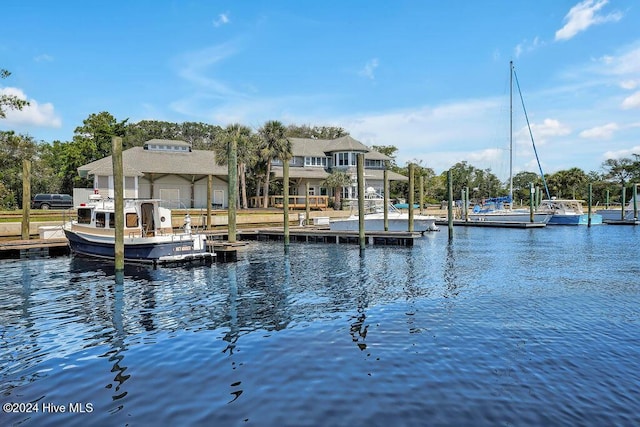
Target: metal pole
(450,203)
(360,166)
(118,182)
(26,198)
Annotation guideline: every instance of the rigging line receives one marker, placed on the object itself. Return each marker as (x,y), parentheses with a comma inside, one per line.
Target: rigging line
(544,182)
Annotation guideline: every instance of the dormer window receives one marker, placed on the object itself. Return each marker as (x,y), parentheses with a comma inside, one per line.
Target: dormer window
(344,159)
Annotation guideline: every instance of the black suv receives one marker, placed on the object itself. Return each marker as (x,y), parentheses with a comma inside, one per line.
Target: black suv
(52,201)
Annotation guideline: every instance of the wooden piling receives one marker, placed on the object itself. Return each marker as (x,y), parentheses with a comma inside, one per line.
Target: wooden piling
(624,201)
(285,202)
(589,203)
(209,201)
(385,196)
(450,203)
(26,198)
(531,205)
(635,202)
(307,206)
(118,203)
(360,166)
(411,195)
(232,187)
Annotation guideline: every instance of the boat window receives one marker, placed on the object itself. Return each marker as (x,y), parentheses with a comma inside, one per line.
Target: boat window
(84,216)
(99,219)
(131,220)
(112,220)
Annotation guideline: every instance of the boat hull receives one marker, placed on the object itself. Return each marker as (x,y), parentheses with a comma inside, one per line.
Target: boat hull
(615,214)
(158,251)
(510,217)
(583,219)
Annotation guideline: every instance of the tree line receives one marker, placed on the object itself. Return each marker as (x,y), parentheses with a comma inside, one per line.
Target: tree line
(55,164)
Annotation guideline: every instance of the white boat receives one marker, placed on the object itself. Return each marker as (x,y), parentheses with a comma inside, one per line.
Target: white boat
(567,212)
(149,236)
(493,210)
(613,214)
(396,221)
(499,209)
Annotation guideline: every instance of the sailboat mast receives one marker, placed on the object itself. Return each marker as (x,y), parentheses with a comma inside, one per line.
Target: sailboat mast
(511,132)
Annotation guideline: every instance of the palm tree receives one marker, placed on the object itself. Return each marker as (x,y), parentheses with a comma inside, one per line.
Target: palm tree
(274,145)
(337,180)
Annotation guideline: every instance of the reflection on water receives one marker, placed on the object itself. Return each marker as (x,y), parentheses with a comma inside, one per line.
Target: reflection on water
(493,327)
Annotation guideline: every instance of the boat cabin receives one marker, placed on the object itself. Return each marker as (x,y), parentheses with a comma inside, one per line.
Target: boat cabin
(142,218)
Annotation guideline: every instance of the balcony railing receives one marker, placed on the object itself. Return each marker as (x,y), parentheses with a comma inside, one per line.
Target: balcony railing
(295,202)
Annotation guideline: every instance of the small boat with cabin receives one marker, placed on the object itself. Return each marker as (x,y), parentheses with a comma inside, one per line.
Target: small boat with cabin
(149,236)
(567,212)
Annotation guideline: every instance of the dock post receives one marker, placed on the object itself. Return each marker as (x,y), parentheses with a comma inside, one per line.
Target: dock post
(624,201)
(26,198)
(360,166)
(531,215)
(589,207)
(209,192)
(285,203)
(465,203)
(307,207)
(421,192)
(607,200)
(635,202)
(450,203)
(385,196)
(118,184)
(411,195)
(232,185)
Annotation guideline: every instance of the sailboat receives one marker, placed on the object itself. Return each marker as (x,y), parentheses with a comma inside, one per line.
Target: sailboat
(499,209)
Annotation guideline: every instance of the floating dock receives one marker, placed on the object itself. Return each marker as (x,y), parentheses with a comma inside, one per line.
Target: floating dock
(498,224)
(621,222)
(321,235)
(33,248)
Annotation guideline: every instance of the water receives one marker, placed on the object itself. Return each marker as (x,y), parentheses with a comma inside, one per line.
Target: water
(501,327)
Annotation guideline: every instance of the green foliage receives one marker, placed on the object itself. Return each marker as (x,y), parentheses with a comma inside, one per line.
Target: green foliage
(315,132)
(9,102)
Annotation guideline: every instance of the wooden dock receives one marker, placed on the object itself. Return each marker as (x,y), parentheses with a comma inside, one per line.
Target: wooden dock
(323,235)
(498,224)
(621,222)
(33,247)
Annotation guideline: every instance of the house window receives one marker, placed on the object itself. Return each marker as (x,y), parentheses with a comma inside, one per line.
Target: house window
(315,161)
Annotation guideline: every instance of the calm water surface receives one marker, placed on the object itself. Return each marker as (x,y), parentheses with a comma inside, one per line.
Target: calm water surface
(500,327)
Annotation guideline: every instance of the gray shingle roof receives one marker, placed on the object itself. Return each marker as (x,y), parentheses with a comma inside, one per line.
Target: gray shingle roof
(309,147)
(138,161)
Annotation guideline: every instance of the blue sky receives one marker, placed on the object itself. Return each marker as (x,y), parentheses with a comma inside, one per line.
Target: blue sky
(430,77)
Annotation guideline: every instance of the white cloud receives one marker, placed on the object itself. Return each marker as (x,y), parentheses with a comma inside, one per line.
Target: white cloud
(600,132)
(632,101)
(369,68)
(525,46)
(549,128)
(34,114)
(619,154)
(584,15)
(43,58)
(629,84)
(223,19)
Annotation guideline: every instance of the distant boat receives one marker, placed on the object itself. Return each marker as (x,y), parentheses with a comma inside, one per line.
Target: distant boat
(613,214)
(499,209)
(567,212)
(396,221)
(148,233)
(494,210)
